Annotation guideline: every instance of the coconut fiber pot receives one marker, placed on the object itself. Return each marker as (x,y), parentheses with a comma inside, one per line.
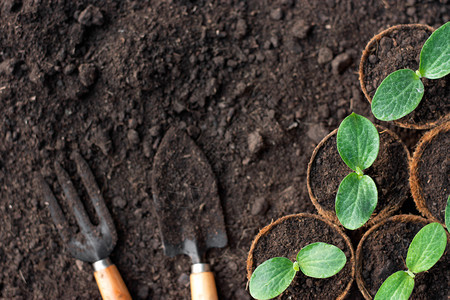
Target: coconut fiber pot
(398,48)
(326,170)
(286,236)
(382,252)
(430,173)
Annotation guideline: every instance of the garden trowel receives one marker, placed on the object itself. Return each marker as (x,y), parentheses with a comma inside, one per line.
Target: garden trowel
(188,208)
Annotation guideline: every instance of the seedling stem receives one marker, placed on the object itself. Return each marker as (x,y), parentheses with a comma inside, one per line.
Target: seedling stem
(410,274)
(359,172)
(418,74)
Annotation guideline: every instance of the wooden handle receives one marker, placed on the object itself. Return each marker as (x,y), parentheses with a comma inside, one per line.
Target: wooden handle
(111,284)
(203,286)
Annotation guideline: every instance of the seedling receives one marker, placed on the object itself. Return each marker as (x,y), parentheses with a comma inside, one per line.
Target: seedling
(424,252)
(318,260)
(358,144)
(401,92)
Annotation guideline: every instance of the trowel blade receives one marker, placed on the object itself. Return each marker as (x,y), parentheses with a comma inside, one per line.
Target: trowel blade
(186,199)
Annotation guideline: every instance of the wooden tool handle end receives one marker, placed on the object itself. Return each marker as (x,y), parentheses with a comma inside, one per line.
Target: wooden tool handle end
(111,284)
(203,286)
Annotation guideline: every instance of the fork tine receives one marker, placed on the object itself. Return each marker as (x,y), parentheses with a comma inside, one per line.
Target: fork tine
(55,210)
(74,201)
(95,195)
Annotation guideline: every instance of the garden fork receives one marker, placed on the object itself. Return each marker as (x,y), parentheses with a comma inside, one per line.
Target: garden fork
(93,243)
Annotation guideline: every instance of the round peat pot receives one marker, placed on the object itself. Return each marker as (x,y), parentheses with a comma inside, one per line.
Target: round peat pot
(399,48)
(382,252)
(430,173)
(326,170)
(286,237)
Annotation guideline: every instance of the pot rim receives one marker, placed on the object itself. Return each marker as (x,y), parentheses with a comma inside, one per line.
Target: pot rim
(374,40)
(267,228)
(331,215)
(414,183)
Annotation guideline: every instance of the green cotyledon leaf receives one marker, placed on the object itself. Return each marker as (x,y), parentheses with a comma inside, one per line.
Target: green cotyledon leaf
(357,142)
(398,286)
(321,260)
(398,95)
(426,248)
(356,200)
(435,54)
(271,278)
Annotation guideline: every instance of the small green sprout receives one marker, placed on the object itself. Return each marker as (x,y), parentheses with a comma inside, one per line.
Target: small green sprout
(401,92)
(424,252)
(447,214)
(358,144)
(318,260)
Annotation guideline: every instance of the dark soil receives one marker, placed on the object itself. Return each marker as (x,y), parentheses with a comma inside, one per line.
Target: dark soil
(385,253)
(389,171)
(287,239)
(400,49)
(186,200)
(434,173)
(241,77)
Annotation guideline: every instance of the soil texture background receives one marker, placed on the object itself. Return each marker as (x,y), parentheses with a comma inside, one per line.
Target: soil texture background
(256,84)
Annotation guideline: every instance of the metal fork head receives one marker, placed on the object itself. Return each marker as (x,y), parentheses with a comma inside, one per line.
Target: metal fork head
(92,243)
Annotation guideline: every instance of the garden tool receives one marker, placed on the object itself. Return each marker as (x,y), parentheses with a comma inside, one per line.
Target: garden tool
(188,208)
(93,243)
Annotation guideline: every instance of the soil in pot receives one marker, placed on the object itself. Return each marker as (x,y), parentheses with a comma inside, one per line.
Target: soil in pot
(326,170)
(430,173)
(286,236)
(399,48)
(382,252)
